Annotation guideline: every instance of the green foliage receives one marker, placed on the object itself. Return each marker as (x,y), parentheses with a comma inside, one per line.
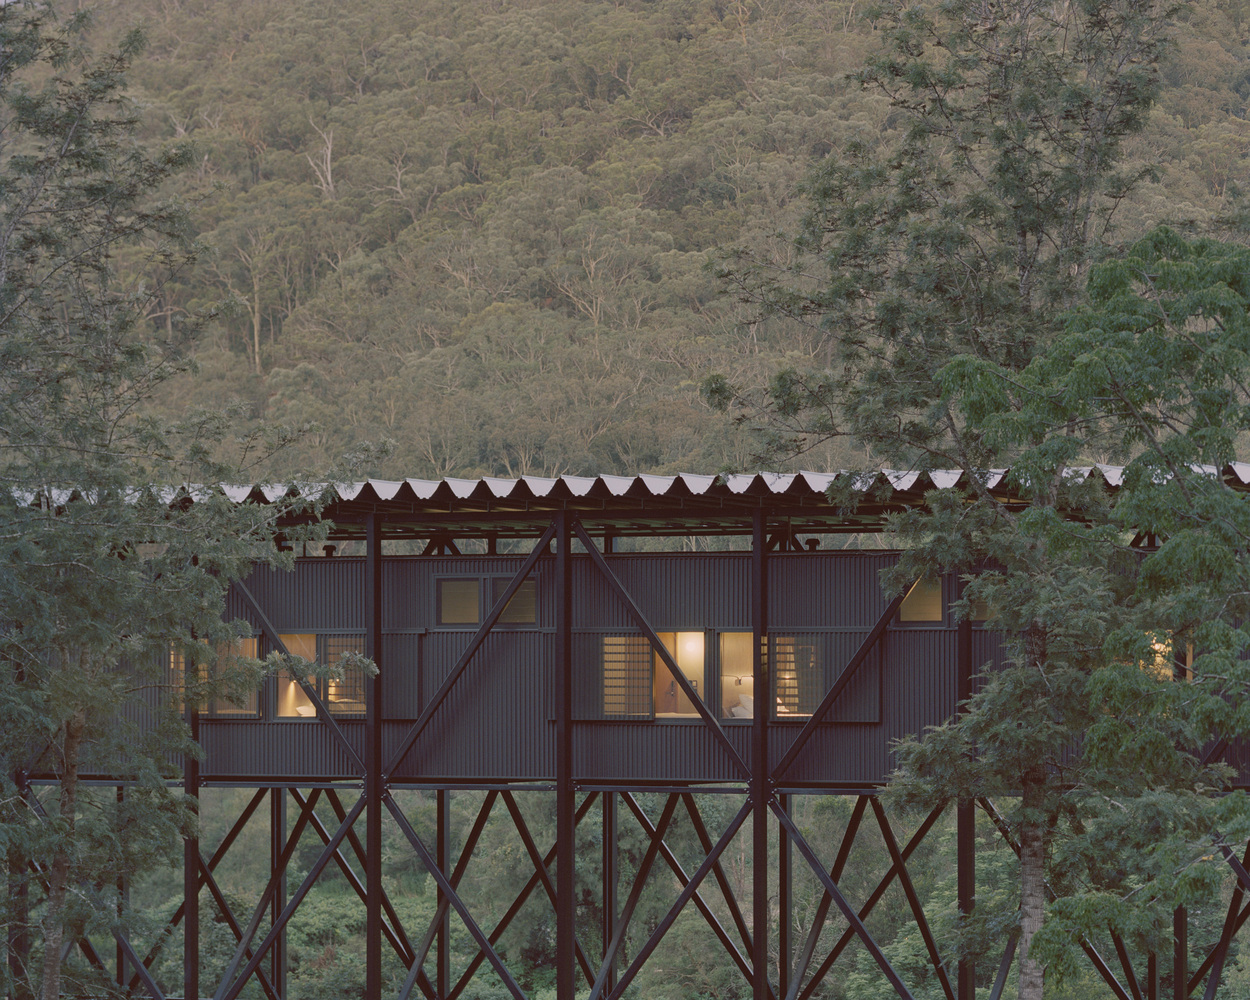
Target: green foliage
(107,562)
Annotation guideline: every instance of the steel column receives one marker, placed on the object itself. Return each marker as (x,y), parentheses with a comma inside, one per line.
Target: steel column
(277,842)
(785,896)
(1180,954)
(442,847)
(191,871)
(566,823)
(760,785)
(373,758)
(965,816)
(610,869)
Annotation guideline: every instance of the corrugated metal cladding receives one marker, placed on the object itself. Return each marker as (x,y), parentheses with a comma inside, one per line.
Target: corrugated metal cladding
(319,594)
(496,722)
(656,751)
(826,589)
(408,585)
(917,690)
(299,748)
(690,591)
(399,675)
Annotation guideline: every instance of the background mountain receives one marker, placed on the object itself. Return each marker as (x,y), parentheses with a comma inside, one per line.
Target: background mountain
(482,229)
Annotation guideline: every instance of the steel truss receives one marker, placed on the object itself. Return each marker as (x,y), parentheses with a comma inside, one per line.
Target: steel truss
(786,970)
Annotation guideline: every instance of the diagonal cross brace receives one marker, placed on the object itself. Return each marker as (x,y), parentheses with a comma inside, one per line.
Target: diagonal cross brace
(709,720)
(743,966)
(453,897)
(683,898)
(228,990)
(831,887)
(475,643)
(506,920)
(423,949)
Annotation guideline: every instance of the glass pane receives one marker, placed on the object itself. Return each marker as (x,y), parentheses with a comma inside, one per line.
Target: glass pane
(345,697)
(687,649)
(459,602)
(626,677)
(737,680)
(248,704)
(797,668)
(292,702)
(923,602)
(523,608)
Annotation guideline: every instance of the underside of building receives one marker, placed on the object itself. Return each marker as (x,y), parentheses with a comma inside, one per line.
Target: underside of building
(625,650)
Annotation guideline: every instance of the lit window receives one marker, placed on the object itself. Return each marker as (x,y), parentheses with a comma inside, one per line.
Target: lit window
(341,697)
(923,602)
(459,602)
(799,674)
(243,706)
(686,648)
(737,675)
(523,608)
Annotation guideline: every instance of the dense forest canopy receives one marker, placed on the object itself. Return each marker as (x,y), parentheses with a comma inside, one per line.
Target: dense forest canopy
(481,230)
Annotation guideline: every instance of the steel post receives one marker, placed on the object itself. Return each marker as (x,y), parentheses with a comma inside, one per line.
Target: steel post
(566,822)
(277,842)
(610,879)
(759,782)
(191,872)
(965,815)
(373,758)
(785,896)
(1180,954)
(442,958)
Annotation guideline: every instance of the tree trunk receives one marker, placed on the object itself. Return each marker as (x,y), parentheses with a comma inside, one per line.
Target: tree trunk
(58,874)
(1032,882)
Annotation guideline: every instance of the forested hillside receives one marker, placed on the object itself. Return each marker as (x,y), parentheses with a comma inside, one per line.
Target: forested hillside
(481,229)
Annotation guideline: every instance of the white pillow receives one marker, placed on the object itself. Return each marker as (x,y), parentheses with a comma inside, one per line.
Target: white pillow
(748,702)
(738,712)
(306,710)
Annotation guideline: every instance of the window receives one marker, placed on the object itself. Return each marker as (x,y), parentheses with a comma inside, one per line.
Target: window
(627,677)
(245,706)
(460,601)
(737,675)
(637,683)
(923,602)
(523,608)
(799,672)
(341,697)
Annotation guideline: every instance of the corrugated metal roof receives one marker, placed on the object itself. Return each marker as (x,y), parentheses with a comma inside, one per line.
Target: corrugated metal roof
(644,504)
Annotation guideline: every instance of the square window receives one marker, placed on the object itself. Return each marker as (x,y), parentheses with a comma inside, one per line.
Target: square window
(459,602)
(923,602)
(523,608)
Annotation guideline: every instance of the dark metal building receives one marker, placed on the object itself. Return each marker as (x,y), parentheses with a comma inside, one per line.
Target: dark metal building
(522,650)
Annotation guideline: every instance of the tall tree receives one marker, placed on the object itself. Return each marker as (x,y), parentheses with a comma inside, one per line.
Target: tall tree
(112,554)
